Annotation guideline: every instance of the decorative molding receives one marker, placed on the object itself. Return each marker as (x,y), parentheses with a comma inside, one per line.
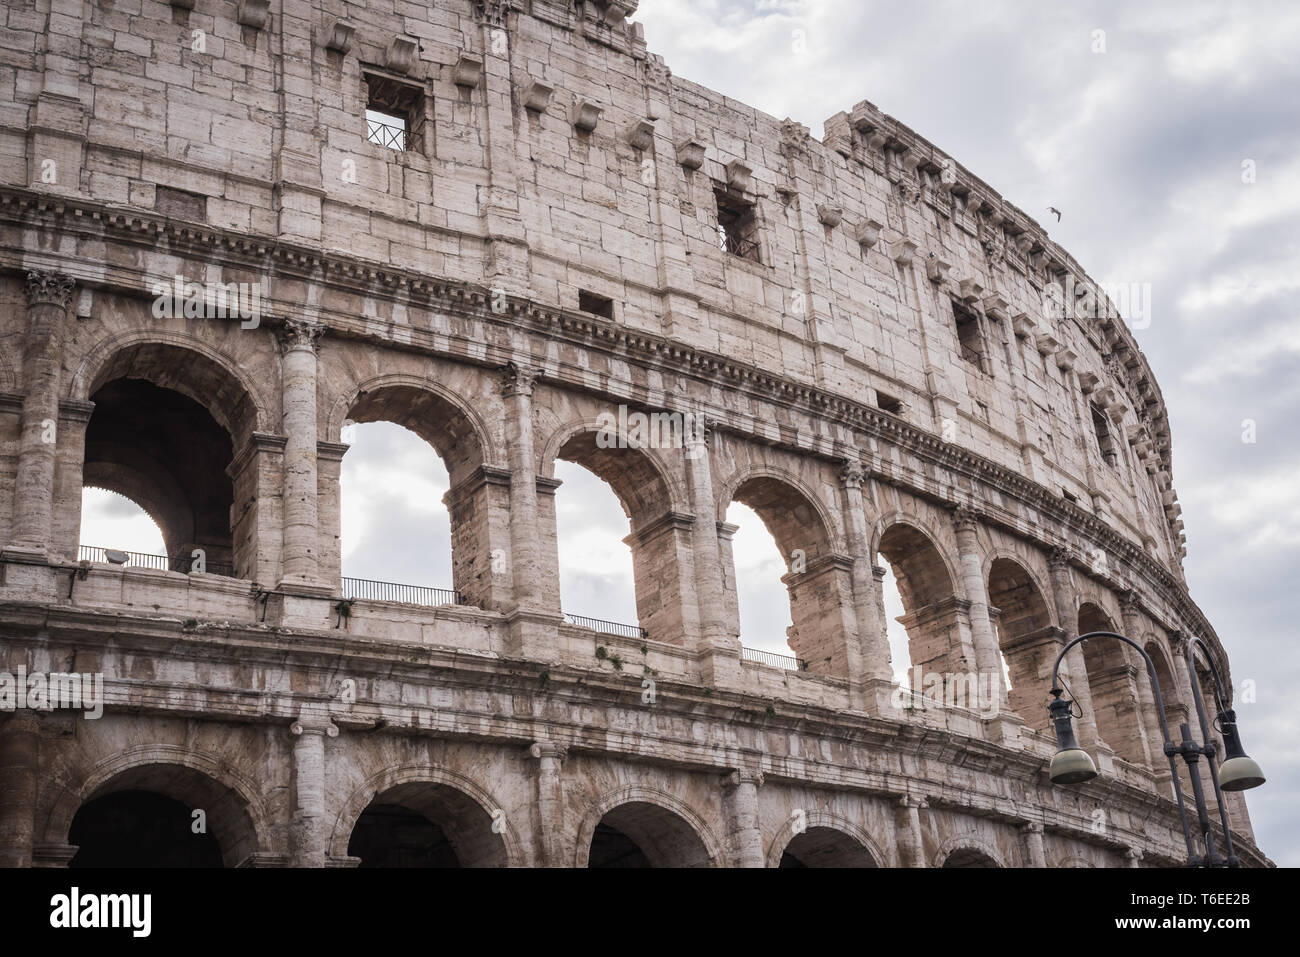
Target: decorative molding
(518,380)
(49,288)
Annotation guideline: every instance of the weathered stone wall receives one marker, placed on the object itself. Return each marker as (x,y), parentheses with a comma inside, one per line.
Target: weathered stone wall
(438,287)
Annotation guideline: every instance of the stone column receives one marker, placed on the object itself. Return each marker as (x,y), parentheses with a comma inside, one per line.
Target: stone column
(866,589)
(719,648)
(298,339)
(1033,832)
(1140,684)
(48,296)
(987,659)
(550,804)
(20,751)
(1072,668)
(740,798)
(517,385)
(911,848)
(308,835)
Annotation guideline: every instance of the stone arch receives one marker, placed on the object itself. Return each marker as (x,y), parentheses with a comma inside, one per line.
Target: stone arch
(1113,672)
(171,418)
(659,525)
(937,631)
(236,813)
(682,824)
(863,853)
(417,403)
(1026,636)
(467,799)
(819,579)
(222,386)
(967,850)
(1075,862)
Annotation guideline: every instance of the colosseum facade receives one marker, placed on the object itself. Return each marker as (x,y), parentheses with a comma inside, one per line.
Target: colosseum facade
(211,260)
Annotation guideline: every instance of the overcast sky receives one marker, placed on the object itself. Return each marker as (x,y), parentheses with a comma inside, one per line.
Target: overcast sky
(1142,148)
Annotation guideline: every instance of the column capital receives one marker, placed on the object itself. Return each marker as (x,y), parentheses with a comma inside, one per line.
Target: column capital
(1060,557)
(739,776)
(913,801)
(696,429)
(852,474)
(545,749)
(49,288)
(1032,827)
(492,13)
(313,724)
(295,334)
(1134,855)
(965,518)
(518,380)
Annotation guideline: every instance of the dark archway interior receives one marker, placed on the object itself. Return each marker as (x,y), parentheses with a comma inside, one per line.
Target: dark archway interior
(639,831)
(422,824)
(825,847)
(389,835)
(969,857)
(1022,620)
(166,453)
(613,848)
(140,829)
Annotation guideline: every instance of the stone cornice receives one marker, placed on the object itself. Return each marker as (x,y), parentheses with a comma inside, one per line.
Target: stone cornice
(581,329)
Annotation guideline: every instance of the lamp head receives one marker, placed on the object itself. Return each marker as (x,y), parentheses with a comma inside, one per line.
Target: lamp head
(1238,772)
(1071,764)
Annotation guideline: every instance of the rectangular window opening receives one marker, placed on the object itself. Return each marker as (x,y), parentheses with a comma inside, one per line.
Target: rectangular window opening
(394,113)
(888,403)
(596,305)
(969,340)
(1105,437)
(737,226)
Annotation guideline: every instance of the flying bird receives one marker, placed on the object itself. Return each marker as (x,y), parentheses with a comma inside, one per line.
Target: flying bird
(1053,209)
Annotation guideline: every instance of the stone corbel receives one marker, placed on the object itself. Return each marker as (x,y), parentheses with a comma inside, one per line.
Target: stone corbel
(1066,358)
(867,232)
(254,13)
(690,153)
(642,135)
(970,291)
(1087,382)
(1022,325)
(400,55)
(182,4)
(902,251)
(830,216)
(586,115)
(739,176)
(1047,344)
(469,70)
(1116,410)
(337,34)
(996,306)
(616,11)
(537,96)
(937,269)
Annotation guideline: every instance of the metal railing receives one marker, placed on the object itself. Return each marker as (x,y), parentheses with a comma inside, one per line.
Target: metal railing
(385,134)
(607,627)
(94,553)
(367,590)
(735,244)
(771,658)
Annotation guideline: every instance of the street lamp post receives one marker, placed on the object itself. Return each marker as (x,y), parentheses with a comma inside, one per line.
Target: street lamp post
(1073,765)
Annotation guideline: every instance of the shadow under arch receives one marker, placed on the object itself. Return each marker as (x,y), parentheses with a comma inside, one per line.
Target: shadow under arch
(1028,639)
(462,809)
(1113,672)
(927,586)
(819,576)
(667,831)
(835,842)
(236,816)
(966,851)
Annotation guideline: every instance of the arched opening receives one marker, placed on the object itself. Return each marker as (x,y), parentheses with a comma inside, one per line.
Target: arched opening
(762,609)
(597,578)
(422,824)
(891,603)
(819,587)
(1173,712)
(162,815)
(412,500)
(825,847)
(164,433)
(655,534)
(969,857)
(394,524)
(140,829)
(111,520)
(1112,680)
(1028,642)
(640,834)
(938,641)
